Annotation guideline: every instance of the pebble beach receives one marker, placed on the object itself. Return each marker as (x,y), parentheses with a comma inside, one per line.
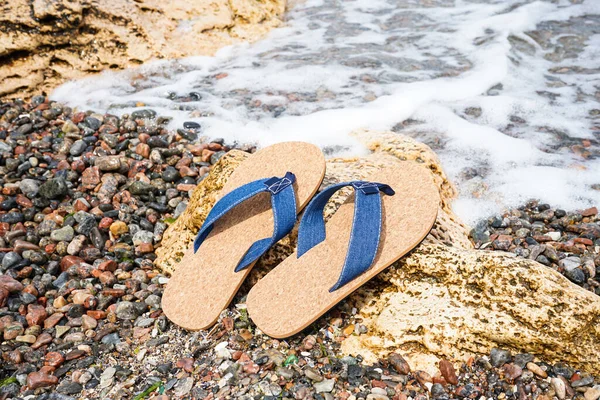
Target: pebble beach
(85,200)
(95,167)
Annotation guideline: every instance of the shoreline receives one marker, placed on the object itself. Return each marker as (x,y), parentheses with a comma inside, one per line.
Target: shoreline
(85,200)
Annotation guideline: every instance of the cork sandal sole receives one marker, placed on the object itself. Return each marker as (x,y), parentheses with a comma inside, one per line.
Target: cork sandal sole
(296,292)
(205,282)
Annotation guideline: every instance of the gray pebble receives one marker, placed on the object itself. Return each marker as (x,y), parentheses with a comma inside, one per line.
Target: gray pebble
(325,386)
(499,357)
(78,148)
(126,310)
(54,189)
(29,187)
(64,234)
(10,259)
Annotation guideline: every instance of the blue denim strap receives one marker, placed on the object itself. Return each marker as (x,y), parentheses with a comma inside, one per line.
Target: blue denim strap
(366,227)
(283,203)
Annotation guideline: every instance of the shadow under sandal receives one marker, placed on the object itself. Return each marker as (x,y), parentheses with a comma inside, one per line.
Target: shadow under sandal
(386,216)
(257,207)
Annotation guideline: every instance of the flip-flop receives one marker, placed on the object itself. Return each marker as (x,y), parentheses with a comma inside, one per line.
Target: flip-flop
(387,215)
(279,181)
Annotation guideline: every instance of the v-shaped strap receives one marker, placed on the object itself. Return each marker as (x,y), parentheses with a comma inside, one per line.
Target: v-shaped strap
(283,202)
(366,227)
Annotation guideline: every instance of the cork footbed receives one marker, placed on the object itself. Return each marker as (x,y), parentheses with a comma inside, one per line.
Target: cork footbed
(205,282)
(296,292)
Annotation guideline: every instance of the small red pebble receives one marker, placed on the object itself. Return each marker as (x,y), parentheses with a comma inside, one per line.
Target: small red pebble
(143,150)
(196,149)
(90,302)
(584,241)
(113,293)
(42,107)
(448,372)
(80,205)
(423,377)
(140,332)
(20,150)
(107,278)
(96,314)
(187,364)
(54,359)
(105,223)
(68,261)
(36,380)
(31,290)
(78,117)
(63,164)
(108,265)
(228,324)
(10,284)
(25,272)
(4,228)
(53,320)
(42,340)
(78,166)
(74,354)
(187,171)
(379,384)
(15,356)
(10,190)
(144,248)
(215,147)
(90,178)
(36,314)
(206,155)
(112,308)
(23,201)
(182,187)
(184,162)
(589,212)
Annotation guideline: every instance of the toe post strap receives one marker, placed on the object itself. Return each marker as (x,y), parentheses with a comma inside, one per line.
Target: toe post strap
(283,203)
(366,226)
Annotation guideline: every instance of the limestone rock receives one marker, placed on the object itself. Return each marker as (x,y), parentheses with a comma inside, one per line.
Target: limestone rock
(45,42)
(443,299)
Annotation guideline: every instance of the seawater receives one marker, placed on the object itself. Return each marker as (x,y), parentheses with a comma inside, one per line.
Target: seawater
(507,92)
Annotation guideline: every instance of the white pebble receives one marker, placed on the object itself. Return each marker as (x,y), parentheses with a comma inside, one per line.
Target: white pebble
(142,353)
(559,388)
(163,280)
(554,235)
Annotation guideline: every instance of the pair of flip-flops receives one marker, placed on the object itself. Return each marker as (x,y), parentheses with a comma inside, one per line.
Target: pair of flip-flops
(384,218)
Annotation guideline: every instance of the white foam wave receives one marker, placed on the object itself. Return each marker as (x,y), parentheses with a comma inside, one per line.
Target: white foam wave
(340,66)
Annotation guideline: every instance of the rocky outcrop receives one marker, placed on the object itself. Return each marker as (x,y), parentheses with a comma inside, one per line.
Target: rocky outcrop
(45,42)
(444,298)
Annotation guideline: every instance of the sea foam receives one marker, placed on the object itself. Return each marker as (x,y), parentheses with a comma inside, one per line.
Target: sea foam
(505,91)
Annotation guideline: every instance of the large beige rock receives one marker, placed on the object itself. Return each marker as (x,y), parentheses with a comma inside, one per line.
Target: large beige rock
(444,298)
(45,42)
